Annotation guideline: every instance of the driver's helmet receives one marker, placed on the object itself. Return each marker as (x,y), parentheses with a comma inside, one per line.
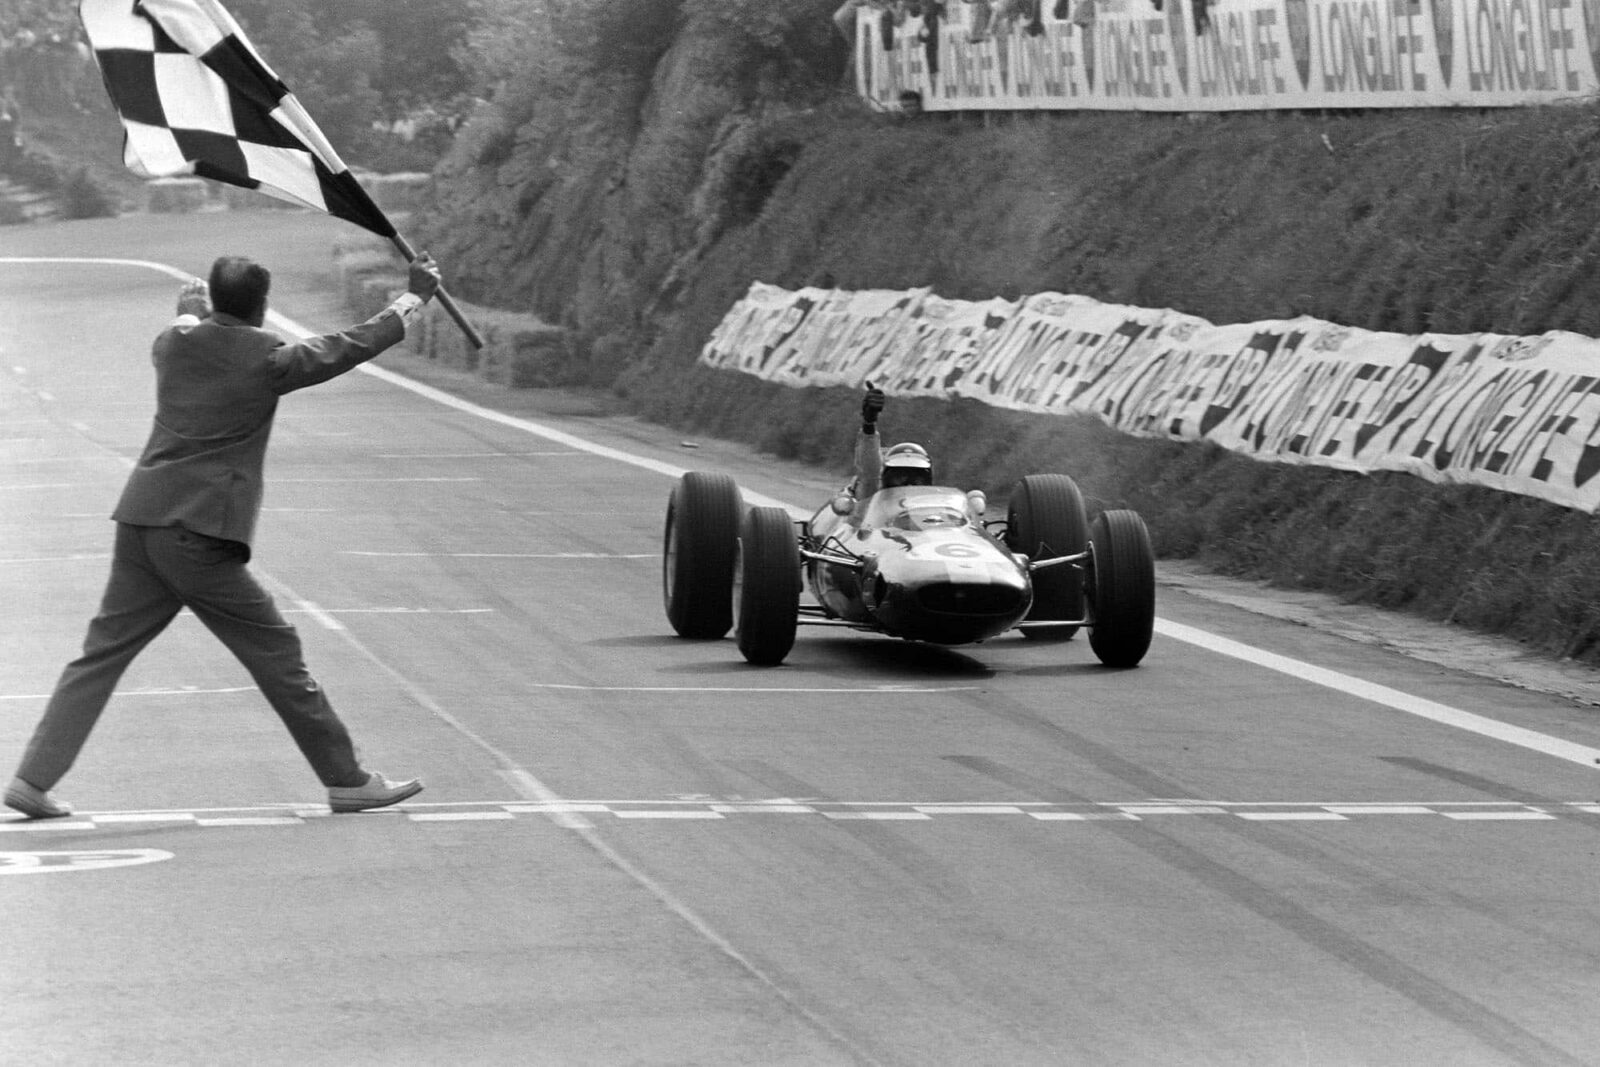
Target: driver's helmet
(907,464)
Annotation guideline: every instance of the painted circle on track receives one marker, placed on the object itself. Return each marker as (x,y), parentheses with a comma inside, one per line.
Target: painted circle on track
(78,860)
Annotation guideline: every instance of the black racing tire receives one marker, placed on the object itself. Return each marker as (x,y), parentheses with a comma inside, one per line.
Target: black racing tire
(1123,588)
(767,590)
(1046,519)
(697,554)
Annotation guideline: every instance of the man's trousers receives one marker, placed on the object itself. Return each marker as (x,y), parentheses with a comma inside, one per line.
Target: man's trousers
(156,571)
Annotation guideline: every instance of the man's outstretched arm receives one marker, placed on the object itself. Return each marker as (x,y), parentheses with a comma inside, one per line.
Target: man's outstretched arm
(317,359)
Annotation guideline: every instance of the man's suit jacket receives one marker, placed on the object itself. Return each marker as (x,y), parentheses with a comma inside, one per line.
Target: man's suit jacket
(218,381)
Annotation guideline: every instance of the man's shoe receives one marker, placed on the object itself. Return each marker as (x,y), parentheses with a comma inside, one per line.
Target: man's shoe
(379,792)
(34,803)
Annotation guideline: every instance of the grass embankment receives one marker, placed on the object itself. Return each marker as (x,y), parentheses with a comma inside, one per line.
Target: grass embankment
(1451,223)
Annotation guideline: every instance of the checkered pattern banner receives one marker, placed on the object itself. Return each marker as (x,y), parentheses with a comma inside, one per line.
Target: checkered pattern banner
(196,98)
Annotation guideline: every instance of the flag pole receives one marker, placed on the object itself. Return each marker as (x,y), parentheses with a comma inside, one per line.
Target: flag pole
(445,299)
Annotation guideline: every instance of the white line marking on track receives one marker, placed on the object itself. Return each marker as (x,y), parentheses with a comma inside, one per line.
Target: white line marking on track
(396,611)
(879,690)
(810,806)
(560,812)
(502,555)
(879,816)
(1496,815)
(58,862)
(182,692)
(1382,694)
(473,455)
(530,427)
(669,814)
(575,814)
(323,619)
(459,816)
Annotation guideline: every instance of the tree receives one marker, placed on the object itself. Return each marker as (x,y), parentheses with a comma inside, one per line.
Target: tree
(362,60)
(418,41)
(507,38)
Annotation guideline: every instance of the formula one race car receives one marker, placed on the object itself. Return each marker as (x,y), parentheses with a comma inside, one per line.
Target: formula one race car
(916,562)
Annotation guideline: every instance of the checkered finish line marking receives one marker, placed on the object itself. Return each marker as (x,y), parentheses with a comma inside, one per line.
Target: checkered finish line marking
(859,811)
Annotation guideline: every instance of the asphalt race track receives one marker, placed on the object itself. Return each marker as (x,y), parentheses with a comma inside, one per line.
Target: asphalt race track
(1268,845)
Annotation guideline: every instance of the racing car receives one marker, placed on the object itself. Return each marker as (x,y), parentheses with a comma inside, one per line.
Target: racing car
(914,562)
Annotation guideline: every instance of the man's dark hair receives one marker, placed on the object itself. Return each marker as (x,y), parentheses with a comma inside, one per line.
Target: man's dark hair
(239,287)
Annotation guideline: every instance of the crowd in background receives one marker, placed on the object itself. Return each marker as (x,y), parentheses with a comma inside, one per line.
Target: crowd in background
(10,138)
(44,60)
(39,17)
(986,19)
(45,65)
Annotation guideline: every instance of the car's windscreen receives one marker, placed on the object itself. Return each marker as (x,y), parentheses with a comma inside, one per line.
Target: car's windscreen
(929,518)
(917,508)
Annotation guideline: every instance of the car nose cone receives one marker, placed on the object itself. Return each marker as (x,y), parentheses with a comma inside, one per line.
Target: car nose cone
(970,598)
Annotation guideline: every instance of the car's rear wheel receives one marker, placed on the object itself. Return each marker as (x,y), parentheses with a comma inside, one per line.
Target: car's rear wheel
(1045,520)
(767,589)
(697,557)
(1123,588)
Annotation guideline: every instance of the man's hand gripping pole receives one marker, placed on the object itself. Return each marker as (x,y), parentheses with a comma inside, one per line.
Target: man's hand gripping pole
(445,299)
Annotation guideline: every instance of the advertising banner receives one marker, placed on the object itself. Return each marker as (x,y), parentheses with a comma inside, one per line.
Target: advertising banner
(1518,414)
(1223,55)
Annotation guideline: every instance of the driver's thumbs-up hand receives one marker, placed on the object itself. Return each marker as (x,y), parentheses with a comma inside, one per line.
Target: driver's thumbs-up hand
(871,406)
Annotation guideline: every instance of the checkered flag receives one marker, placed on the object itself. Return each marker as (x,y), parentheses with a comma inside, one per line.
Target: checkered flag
(195,97)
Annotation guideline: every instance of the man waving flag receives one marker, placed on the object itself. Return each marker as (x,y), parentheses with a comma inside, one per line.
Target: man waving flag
(196,98)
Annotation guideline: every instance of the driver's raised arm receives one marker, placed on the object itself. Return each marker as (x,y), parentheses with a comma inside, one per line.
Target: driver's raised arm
(869,449)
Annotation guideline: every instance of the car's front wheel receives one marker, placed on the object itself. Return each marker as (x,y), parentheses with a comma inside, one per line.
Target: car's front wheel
(697,557)
(1123,588)
(1045,520)
(767,590)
